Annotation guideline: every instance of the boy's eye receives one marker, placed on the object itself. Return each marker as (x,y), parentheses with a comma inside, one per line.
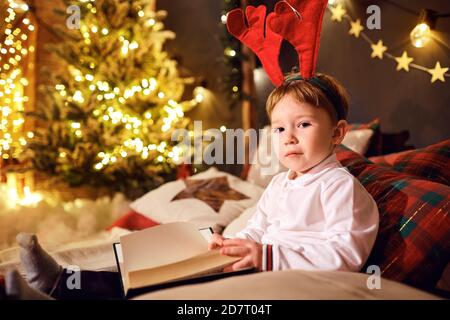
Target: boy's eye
(303,124)
(278,130)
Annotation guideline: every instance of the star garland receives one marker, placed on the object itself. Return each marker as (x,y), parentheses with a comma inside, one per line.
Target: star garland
(379,50)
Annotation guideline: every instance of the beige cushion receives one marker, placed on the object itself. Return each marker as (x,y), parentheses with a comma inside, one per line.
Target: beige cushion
(290,285)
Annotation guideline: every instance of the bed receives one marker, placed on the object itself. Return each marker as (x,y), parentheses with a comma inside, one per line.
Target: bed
(408,271)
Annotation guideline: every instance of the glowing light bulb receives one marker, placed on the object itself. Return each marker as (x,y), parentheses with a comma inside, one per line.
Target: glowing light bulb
(134,45)
(420,35)
(198,92)
(230,52)
(223,18)
(78,96)
(76,125)
(98,166)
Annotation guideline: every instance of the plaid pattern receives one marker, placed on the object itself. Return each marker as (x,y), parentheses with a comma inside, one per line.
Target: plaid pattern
(413,242)
(389,159)
(269,258)
(2,288)
(430,163)
(375,146)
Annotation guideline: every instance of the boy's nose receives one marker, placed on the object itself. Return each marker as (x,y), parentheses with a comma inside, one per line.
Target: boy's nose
(290,139)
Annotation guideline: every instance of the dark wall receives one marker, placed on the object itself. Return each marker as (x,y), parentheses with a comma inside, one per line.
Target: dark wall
(199,49)
(402,100)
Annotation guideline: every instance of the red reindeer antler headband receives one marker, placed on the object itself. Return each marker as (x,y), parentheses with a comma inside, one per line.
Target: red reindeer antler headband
(297,21)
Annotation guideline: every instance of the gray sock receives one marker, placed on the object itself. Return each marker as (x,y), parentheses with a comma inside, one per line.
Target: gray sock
(18,289)
(41,270)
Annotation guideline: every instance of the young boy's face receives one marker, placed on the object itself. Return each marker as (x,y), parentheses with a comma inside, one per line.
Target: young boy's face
(302,134)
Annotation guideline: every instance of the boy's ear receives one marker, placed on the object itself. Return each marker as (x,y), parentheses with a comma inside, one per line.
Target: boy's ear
(340,130)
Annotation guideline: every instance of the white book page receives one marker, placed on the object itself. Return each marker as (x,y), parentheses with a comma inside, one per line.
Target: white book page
(161,245)
(209,262)
(206,233)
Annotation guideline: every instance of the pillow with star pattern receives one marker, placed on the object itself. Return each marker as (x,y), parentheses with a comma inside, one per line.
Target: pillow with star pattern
(208,199)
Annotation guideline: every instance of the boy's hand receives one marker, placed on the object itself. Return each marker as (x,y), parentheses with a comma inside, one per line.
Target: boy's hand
(216,241)
(249,250)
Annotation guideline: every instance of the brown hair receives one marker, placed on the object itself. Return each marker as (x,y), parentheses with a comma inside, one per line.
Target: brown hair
(306,92)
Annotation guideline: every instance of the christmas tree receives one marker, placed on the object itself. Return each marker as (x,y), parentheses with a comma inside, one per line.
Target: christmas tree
(111,110)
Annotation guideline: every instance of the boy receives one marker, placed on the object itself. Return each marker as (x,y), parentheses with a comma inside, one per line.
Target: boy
(315,216)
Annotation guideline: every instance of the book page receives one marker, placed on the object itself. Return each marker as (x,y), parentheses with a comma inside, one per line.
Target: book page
(161,245)
(202,264)
(206,233)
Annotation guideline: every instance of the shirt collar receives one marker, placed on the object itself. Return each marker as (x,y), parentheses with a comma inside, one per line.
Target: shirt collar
(313,174)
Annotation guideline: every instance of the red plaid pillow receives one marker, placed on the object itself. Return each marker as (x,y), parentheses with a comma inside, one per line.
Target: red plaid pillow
(389,159)
(413,241)
(430,163)
(375,145)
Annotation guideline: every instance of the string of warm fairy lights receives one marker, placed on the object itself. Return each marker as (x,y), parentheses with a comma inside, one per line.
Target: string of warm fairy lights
(13,50)
(232,56)
(419,35)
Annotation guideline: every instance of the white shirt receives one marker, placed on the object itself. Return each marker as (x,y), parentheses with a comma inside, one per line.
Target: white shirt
(321,220)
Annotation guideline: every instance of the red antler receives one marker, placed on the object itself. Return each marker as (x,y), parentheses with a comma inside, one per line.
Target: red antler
(261,40)
(300,23)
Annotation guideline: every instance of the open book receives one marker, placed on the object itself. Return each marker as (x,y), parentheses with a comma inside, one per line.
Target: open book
(165,255)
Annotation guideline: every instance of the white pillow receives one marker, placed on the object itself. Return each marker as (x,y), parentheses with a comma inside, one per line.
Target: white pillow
(263,167)
(262,170)
(239,223)
(358,140)
(158,205)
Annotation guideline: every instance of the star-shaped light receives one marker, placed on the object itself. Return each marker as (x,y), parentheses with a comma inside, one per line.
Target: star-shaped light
(437,73)
(403,61)
(337,12)
(212,191)
(378,49)
(356,28)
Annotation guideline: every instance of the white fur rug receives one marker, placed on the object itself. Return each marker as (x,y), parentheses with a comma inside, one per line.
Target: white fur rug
(58,223)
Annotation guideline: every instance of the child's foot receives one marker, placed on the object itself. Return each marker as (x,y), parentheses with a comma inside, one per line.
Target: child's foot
(41,270)
(18,289)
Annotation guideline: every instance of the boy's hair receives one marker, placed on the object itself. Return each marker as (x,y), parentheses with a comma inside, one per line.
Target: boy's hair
(303,91)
